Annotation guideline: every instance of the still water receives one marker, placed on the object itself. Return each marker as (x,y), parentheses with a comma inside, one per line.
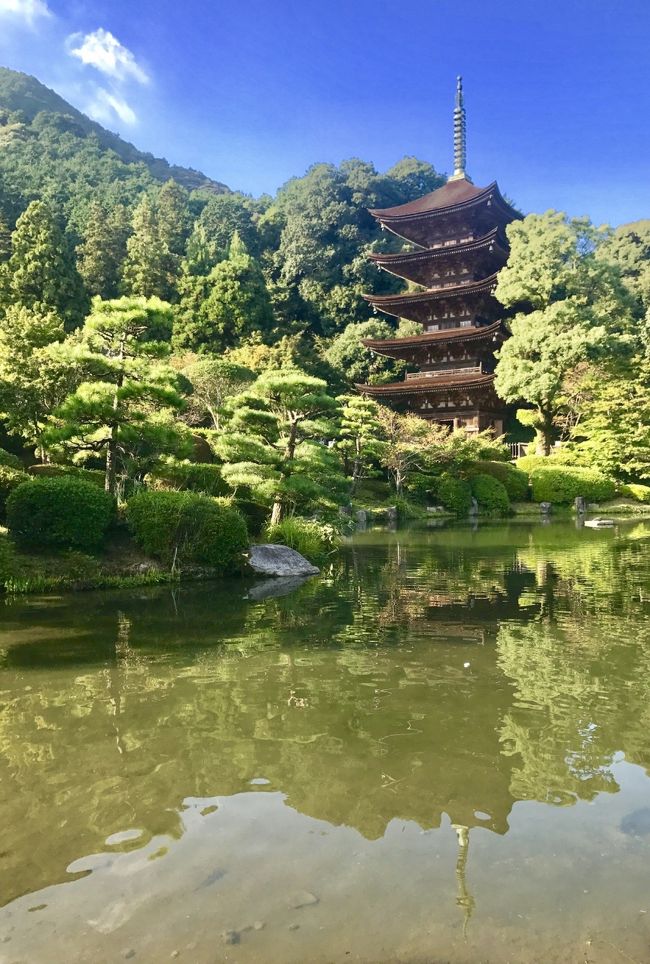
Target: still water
(436,751)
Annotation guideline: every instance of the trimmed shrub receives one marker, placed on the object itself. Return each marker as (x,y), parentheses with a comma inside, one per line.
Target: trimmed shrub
(187,527)
(636,491)
(193,476)
(312,539)
(490,494)
(60,513)
(10,479)
(10,460)
(51,470)
(563,484)
(513,479)
(455,494)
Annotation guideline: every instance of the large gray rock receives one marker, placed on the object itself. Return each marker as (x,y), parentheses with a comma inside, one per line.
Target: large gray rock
(271,560)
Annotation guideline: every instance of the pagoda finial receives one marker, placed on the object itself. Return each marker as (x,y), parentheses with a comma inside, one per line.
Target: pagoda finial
(459,135)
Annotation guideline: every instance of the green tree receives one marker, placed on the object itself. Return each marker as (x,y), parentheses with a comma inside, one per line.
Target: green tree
(570,307)
(103,249)
(213,380)
(148,265)
(273,440)
(41,271)
(35,373)
(122,413)
(173,218)
(361,437)
(230,304)
(356,364)
(226,215)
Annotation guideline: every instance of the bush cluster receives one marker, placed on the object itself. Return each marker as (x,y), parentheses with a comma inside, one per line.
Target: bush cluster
(59,513)
(563,484)
(636,491)
(52,470)
(513,479)
(490,494)
(10,479)
(10,460)
(312,539)
(454,494)
(193,476)
(187,527)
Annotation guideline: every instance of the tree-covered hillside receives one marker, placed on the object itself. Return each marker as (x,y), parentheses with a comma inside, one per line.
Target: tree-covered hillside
(45,140)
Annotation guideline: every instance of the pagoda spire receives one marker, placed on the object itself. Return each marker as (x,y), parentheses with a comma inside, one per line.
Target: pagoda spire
(460,150)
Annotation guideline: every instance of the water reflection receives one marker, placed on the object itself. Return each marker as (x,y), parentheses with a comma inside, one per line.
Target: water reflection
(433,678)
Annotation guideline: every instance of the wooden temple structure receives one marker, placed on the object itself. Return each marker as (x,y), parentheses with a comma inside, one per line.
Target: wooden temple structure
(457,244)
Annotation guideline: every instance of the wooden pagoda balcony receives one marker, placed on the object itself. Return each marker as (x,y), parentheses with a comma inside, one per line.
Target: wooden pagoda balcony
(446,372)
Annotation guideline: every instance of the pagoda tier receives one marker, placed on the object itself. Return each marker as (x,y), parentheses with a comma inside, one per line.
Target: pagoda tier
(443,347)
(456,400)
(451,263)
(447,306)
(458,212)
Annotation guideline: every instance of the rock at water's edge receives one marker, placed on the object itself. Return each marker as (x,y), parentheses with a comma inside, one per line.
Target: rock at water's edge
(272,560)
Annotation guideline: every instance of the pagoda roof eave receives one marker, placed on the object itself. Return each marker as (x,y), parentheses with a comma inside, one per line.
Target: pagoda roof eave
(453,196)
(427,385)
(492,238)
(442,336)
(432,294)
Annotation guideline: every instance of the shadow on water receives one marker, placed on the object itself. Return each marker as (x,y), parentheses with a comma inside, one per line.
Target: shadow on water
(435,678)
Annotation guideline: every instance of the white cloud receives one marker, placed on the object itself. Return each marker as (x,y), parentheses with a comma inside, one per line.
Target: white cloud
(26,10)
(105,107)
(100,49)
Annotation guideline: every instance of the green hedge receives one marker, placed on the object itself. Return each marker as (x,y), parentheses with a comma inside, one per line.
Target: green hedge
(10,479)
(563,484)
(636,491)
(187,527)
(455,494)
(513,479)
(193,476)
(10,460)
(52,470)
(59,513)
(490,494)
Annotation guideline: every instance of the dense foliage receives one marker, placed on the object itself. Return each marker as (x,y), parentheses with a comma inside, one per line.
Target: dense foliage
(182,527)
(490,494)
(59,513)
(563,484)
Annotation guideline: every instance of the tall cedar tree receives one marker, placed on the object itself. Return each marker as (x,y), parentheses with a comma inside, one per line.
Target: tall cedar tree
(148,266)
(102,252)
(41,272)
(230,304)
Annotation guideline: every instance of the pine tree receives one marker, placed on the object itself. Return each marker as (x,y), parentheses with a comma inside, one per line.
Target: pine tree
(5,241)
(124,412)
(41,271)
(103,249)
(148,261)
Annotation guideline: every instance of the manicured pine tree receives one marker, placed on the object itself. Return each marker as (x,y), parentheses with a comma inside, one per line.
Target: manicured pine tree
(41,272)
(122,410)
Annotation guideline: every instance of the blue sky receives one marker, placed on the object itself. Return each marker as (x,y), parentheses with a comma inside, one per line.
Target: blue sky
(253,92)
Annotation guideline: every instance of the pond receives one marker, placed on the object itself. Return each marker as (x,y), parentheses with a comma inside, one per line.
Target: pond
(438,750)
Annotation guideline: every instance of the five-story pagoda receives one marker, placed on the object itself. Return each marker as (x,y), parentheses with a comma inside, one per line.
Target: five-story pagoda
(458,244)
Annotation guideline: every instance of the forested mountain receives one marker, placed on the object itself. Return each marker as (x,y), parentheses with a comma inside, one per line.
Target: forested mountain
(38,127)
